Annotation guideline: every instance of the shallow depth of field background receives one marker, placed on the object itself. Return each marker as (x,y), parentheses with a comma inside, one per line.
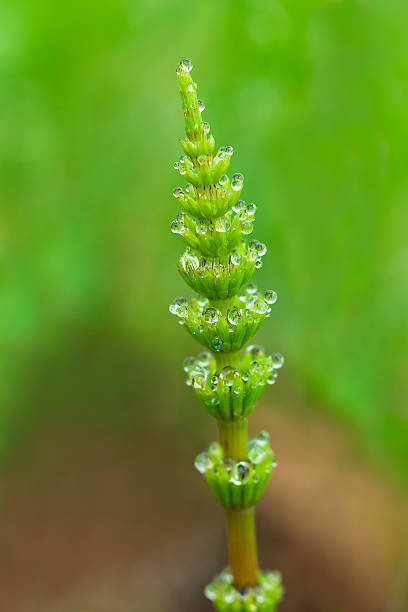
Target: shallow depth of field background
(100,508)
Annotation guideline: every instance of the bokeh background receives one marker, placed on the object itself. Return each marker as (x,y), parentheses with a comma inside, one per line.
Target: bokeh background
(100,507)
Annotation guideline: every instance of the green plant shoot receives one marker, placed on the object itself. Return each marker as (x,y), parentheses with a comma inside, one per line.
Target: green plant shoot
(228,379)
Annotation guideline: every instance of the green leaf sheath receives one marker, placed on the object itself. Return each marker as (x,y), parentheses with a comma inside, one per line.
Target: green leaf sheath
(226,312)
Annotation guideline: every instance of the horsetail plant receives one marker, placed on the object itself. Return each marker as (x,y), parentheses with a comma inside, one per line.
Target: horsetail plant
(218,264)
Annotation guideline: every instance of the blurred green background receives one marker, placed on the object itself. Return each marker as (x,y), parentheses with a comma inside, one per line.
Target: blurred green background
(313,96)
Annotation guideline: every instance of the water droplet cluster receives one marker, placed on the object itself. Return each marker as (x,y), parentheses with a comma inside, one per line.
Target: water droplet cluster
(232,392)
(261,598)
(237,484)
(226,329)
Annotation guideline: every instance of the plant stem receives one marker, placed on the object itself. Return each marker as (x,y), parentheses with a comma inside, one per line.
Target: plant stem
(242,547)
(240,523)
(234,439)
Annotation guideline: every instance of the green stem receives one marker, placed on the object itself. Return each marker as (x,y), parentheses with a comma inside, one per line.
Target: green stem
(242,547)
(240,523)
(234,438)
(224,359)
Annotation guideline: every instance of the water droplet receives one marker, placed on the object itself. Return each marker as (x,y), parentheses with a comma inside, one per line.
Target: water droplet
(186,64)
(272,378)
(277,361)
(241,473)
(214,379)
(202,301)
(201,229)
(239,206)
(201,105)
(245,377)
(228,375)
(262,438)
(234,316)
(246,227)
(256,454)
(177,225)
(258,263)
(251,209)
(256,368)
(229,150)
(206,127)
(210,592)
(188,363)
(223,180)
(236,257)
(178,303)
(237,181)
(203,462)
(203,358)
(260,306)
(271,296)
(178,192)
(190,260)
(221,225)
(255,350)
(217,344)
(215,452)
(176,166)
(210,315)
(226,576)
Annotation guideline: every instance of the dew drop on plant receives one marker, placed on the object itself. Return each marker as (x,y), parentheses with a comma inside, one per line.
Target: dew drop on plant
(237,181)
(261,249)
(251,209)
(191,261)
(201,105)
(271,379)
(239,206)
(262,438)
(202,301)
(271,296)
(277,361)
(176,166)
(236,258)
(228,375)
(203,359)
(251,288)
(234,316)
(240,473)
(260,306)
(258,263)
(186,64)
(178,192)
(256,454)
(210,315)
(223,180)
(255,350)
(256,368)
(206,127)
(188,363)
(217,344)
(210,592)
(201,229)
(229,150)
(215,452)
(245,377)
(178,302)
(214,379)
(246,227)
(203,462)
